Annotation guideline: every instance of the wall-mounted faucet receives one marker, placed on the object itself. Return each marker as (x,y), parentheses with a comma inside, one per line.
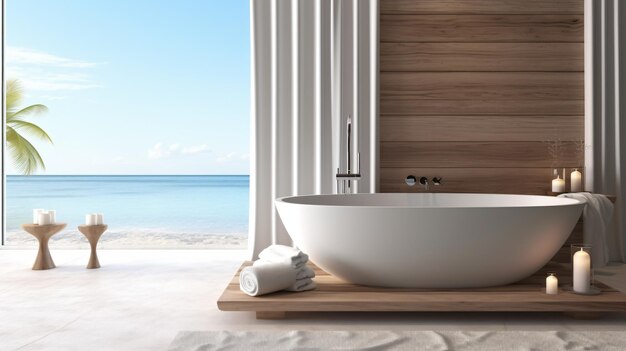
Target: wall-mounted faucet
(344,180)
(411,180)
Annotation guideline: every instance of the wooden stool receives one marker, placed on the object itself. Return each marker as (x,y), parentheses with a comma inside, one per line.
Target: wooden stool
(93,233)
(43,233)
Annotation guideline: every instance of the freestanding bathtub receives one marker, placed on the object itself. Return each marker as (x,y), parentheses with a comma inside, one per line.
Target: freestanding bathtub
(429,240)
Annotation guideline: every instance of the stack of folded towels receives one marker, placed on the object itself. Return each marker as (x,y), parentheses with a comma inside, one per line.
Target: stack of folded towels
(278,268)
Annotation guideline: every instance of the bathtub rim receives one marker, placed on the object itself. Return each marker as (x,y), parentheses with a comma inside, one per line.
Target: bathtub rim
(565,202)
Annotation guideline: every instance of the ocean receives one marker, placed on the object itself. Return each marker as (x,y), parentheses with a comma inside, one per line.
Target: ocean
(141,211)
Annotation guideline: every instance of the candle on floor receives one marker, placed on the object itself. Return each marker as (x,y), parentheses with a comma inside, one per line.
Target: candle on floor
(36,213)
(582,271)
(43,218)
(99,218)
(558,185)
(576,181)
(53,216)
(552,284)
(90,219)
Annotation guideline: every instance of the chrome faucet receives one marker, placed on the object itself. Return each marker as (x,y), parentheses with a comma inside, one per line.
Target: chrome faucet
(344,180)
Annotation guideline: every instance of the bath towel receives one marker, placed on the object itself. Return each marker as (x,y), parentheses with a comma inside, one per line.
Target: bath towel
(282,253)
(267,278)
(597,220)
(302,285)
(301,273)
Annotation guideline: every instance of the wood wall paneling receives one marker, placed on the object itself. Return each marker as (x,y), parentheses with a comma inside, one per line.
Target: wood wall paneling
(539,7)
(471,90)
(481,28)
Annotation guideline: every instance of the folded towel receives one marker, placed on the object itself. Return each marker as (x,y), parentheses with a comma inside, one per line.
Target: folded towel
(266,278)
(282,253)
(302,285)
(597,217)
(301,273)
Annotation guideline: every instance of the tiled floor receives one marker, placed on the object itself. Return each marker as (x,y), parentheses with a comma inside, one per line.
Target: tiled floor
(140,299)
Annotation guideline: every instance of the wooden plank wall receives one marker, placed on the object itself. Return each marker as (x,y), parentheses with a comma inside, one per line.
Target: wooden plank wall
(472,90)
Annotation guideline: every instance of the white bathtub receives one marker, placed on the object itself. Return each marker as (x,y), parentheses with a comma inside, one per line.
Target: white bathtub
(429,240)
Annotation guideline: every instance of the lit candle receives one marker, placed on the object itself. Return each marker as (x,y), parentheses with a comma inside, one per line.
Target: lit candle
(582,271)
(99,218)
(90,219)
(552,284)
(558,185)
(36,213)
(43,218)
(576,181)
(53,216)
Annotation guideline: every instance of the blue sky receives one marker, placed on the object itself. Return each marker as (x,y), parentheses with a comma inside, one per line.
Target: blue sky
(135,86)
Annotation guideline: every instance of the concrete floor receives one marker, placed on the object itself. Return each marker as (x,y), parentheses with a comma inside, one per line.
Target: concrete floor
(140,299)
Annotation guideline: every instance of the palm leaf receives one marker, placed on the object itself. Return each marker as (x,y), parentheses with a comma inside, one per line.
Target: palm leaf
(23,113)
(30,128)
(26,159)
(13,94)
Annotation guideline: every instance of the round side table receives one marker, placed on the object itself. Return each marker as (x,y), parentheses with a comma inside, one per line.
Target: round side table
(93,234)
(43,233)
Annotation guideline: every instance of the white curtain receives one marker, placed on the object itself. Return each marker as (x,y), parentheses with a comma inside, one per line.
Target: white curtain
(605,107)
(314,62)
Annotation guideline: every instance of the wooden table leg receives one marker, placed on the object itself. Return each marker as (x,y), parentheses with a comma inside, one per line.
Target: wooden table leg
(93,234)
(44,259)
(93,258)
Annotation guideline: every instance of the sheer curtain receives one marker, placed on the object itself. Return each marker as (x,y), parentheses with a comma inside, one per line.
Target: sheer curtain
(314,62)
(605,105)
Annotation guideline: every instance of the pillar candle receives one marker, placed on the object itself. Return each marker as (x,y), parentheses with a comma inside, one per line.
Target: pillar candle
(558,185)
(53,216)
(582,271)
(43,218)
(552,284)
(36,213)
(99,218)
(90,219)
(576,181)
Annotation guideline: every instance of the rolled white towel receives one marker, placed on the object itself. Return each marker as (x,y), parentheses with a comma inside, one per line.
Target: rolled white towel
(301,273)
(302,285)
(266,278)
(282,253)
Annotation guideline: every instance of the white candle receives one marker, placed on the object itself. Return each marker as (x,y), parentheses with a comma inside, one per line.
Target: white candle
(99,218)
(90,219)
(582,271)
(53,216)
(558,185)
(43,218)
(576,181)
(552,284)
(36,213)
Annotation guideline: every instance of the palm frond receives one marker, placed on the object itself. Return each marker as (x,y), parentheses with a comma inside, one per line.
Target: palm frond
(26,159)
(13,94)
(23,113)
(30,128)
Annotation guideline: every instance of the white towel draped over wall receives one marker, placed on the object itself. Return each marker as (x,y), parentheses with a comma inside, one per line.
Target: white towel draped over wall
(605,108)
(314,62)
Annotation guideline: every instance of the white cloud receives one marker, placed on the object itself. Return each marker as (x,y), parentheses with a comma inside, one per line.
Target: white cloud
(159,150)
(23,56)
(40,71)
(233,156)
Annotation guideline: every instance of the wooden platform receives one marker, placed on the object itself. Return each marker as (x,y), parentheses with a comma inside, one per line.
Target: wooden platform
(335,295)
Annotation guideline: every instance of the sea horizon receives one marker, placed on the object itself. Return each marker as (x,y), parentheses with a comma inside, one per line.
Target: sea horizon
(153,210)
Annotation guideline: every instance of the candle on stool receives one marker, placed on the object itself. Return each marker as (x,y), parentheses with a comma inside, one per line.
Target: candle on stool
(558,185)
(36,213)
(582,271)
(90,219)
(43,218)
(99,218)
(576,181)
(552,284)
(53,216)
